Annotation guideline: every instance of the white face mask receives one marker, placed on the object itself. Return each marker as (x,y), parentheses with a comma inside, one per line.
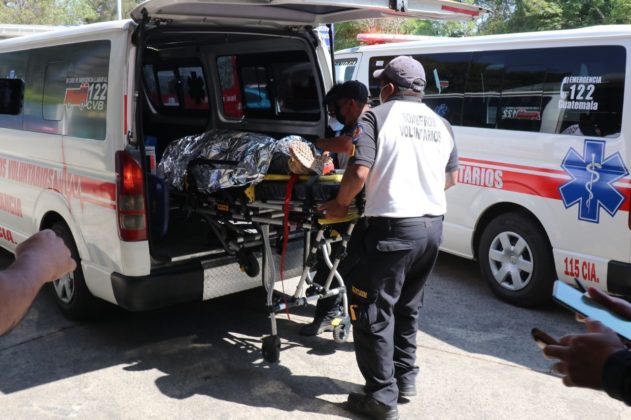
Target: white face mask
(381,100)
(335,124)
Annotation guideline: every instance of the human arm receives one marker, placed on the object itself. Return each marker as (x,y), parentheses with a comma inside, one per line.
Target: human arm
(614,304)
(40,259)
(451,170)
(357,172)
(352,184)
(451,179)
(340,144)
(582,357)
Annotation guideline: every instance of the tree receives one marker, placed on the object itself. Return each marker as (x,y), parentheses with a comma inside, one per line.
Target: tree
(106,9)
(44,12)
(538,15)
(61,12)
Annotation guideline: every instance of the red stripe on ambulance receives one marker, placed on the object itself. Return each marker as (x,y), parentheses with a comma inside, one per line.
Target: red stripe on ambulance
(537,184)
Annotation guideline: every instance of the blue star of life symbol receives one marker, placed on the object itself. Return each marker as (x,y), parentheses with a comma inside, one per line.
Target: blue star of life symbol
(592,181)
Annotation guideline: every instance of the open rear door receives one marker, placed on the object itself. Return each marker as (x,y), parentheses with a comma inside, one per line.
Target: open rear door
(274,13)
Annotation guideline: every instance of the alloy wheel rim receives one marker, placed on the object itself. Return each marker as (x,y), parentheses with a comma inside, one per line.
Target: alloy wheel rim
(64,287)
(511,261)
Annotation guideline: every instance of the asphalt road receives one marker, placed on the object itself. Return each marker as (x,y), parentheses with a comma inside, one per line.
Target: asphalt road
(203,361)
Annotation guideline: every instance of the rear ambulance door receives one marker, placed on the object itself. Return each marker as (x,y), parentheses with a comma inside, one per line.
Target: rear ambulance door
(283,13)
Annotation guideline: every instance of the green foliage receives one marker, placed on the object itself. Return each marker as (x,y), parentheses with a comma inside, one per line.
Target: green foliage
(506,16)
(61,12)
(539,15)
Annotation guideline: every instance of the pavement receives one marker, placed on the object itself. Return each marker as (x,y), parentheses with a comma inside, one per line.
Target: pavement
(203,360)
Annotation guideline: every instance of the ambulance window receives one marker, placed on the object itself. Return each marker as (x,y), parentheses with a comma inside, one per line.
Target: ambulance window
(278,85)
(194,88)
(445,76)
(88,69)
(584,90)
(55,92)
(482,92)
(344,69)
(13,66)
(255,88)
(522,91)
(230,87)
(573,90)
(376,63)
(151,84)
(167,83)
(11,96)
(296,91)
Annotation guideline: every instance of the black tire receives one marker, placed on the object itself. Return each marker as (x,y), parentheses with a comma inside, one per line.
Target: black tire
(70,292)
(248,263)
(520,273)
(271,348)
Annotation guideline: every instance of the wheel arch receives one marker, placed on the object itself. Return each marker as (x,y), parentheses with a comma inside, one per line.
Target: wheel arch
(502,208)
(51,207)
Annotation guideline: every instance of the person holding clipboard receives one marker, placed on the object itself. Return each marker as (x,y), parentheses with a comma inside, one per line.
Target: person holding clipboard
(598,359)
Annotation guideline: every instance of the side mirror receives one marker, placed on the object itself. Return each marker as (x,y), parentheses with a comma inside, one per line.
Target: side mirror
(11,96)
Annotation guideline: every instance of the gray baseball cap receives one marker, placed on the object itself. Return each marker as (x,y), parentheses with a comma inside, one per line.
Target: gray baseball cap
(405,72)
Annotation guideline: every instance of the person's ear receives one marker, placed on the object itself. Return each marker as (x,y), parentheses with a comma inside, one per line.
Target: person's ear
(388,91)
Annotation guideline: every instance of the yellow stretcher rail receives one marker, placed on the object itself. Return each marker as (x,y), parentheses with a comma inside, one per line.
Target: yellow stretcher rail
(348,218)
(251,194)
(321,178)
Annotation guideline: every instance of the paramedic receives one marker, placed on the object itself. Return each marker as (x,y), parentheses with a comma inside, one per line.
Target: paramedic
(345,103)
(406,157)
(597,359)
(40,259)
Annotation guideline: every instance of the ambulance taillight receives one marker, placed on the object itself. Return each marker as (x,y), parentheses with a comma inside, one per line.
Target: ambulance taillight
(132,217)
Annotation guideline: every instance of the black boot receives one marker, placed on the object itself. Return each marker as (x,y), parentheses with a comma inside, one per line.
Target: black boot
(319,325)
(370,407)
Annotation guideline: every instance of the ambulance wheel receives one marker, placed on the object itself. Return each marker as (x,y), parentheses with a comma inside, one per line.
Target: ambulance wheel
(271,348)
(70,291)
(342,331)
(248,263)
(516,260)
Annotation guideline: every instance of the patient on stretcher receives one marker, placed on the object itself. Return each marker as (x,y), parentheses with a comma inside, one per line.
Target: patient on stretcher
(220,159)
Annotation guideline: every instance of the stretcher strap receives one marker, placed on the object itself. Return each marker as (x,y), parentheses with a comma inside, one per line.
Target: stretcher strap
(290,188)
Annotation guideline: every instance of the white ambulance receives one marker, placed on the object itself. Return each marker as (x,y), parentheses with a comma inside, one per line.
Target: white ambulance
(83,109)
(539,121)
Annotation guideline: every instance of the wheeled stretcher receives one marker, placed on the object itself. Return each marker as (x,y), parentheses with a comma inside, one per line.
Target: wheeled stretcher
(248,219)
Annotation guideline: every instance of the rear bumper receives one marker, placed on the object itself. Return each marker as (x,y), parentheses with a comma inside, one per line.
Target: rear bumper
(194,281)
(166,286)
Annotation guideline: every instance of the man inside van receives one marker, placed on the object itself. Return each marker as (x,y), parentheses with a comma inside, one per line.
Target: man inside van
(345,103)
(406,157)
(40,259)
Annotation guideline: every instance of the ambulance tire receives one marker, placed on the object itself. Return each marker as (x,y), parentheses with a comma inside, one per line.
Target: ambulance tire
(70,292)
(523,273)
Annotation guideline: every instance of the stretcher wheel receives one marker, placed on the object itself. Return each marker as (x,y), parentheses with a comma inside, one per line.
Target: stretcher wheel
(271,348)
(248,263)
(342,331)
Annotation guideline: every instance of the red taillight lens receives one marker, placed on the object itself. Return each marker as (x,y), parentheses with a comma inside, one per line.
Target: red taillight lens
(132,218)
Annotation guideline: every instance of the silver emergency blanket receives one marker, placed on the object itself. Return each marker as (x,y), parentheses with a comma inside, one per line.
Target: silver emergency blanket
(250,153)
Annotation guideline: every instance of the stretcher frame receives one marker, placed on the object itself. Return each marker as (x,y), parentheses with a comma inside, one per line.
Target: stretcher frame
(247,223)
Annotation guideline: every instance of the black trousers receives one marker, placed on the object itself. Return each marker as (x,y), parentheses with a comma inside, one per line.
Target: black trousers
(354,251)
(385,296)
